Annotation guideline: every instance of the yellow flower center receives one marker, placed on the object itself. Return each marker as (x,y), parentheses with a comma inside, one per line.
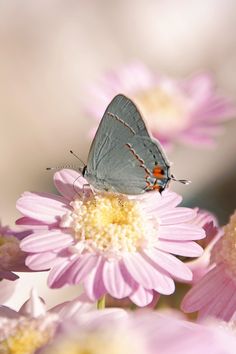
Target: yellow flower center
(10,251)
(25,339)
(110,224)
(225,249)
(100,343)
(166,112)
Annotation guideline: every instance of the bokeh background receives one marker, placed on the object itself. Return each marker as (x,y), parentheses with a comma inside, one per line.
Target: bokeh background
(51,51)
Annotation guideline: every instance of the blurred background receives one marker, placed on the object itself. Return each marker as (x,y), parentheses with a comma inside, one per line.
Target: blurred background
(50,52)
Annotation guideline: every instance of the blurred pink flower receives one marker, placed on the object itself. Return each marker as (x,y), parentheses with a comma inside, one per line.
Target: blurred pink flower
(32,326)
(27,330)
(214,294)
(11,256)
(189,110)
(140,333)
(111,243)
(209,223)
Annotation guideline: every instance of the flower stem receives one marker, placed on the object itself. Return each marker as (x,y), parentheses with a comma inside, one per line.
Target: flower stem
(101,304)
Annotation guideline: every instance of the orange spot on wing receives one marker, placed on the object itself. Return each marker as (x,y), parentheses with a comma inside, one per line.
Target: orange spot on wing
(158,172)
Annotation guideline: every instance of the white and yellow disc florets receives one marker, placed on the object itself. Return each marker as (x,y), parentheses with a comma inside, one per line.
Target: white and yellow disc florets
(110,224)
(26,335)
(167,111)
(100,342)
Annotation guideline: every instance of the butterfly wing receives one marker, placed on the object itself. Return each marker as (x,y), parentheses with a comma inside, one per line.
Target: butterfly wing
(138,166)
(120,122)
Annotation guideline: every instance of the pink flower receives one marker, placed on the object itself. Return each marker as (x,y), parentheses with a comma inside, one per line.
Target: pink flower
(214,294)
(111,243)
(189,110)
(209,223)
(140,333)
(11,256)
(32,326)
(27,330)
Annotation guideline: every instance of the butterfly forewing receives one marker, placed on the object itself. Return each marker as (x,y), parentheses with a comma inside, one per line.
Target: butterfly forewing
(120,121)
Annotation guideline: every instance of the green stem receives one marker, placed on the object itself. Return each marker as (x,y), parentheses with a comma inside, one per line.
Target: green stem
(101,304)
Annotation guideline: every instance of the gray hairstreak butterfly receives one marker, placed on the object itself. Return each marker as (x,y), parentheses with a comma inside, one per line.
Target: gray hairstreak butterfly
(123,158)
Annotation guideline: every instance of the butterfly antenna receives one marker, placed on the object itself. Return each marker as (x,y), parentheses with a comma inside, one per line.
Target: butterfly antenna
(63,166)
(72,153)
(183,181)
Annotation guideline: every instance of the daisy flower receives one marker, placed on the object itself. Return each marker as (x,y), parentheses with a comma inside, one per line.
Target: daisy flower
(140,333)
(11,256)
(27,330)
(189,110)
(214,294)
(111,243)
(32,327)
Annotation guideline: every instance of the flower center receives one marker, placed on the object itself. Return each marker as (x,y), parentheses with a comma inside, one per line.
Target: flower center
(110,224)
(166,110)
(100,343)
(26,338)
(225,249)
(10,251)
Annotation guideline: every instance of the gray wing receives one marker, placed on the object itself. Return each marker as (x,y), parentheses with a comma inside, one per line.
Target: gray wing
(130,169)
(120,122)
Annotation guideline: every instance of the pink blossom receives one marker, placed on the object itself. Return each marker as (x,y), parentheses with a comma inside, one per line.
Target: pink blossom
(201,265)
(111,243)
(214,293)
(11,256)
(32,326)
(189,110)
(140,333)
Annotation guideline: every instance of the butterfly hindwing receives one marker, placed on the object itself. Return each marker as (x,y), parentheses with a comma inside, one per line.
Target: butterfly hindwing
(132,168)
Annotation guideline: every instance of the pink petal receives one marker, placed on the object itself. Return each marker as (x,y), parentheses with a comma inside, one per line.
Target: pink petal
(181,232)
(82,267)
(41,261)
(177,215)
(8,313)
(93,283)
(114,281)
(204,291)
(7,288)
(181,248)
(142,297)
(199,87)
(73,308)
(147,276)
(43,208)
(68,182)
(165,201)
(29,222)
(5,274)
(223,303)
(58,274)
(42,241)
(170,264)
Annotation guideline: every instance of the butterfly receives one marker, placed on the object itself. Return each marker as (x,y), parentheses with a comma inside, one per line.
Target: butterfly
(123,158)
